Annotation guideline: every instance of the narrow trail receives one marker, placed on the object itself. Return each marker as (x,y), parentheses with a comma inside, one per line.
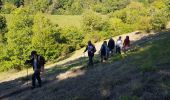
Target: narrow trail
(76,55)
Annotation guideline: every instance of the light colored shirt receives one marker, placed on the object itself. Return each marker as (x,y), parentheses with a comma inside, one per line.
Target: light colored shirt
(35,65)
(119,43)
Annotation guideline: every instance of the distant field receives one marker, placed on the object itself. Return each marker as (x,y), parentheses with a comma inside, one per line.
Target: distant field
(61,20)
(66,20)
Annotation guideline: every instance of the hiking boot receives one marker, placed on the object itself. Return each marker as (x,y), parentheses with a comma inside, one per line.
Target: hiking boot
(39,86)
(33,87)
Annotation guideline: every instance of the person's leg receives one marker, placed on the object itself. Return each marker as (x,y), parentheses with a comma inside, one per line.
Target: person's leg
(33,80)
(91,60)
(111,50)
(119,50)
(101,58)
(38,78)
(116,49)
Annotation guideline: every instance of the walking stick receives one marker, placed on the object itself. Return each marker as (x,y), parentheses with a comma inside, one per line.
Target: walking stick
(27,76)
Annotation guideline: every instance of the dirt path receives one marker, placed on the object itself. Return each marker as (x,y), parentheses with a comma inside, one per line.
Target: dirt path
(78,54)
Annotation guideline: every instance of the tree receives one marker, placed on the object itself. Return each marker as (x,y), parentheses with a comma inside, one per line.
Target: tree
(92,21)
(7,8)
(160,15)
(1,4)
(3,28)
(19,38)
(40,5)
(43,39)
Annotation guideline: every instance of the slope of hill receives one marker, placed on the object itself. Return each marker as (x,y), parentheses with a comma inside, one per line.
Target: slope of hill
(142,74)
(76,55)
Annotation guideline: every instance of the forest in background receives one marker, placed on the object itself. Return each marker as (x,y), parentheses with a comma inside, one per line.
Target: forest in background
(30,29)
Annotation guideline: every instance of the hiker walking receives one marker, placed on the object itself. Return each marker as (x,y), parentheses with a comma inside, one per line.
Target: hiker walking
(126,44)
(111,45)
(37,62)
(119,45)
(104,51)
(91,50)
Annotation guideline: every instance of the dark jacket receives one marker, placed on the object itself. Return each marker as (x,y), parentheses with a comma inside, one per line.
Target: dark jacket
(126,43)
(111,44)
(40,62)
(104,50)
(91,50)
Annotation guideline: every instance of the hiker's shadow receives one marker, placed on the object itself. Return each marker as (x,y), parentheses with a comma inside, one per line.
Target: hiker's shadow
(22,84)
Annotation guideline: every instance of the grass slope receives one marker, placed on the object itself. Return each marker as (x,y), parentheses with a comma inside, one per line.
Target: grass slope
(61,20)
(66,20)
(141,74)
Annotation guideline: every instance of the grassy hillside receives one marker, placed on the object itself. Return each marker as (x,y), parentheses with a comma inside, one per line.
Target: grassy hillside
(61,20)
(66,20)
(141,74)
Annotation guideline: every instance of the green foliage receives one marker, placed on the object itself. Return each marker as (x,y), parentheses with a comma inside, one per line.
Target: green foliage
(140,17)
(42,38)
(7,8)
(117,27)
(39,5)
(19,38)
(3,28)
(78,6)
(92,21)
(159,14)
(73,38)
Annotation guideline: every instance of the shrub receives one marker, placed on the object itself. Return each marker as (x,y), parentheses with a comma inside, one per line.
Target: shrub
(92,21)
(8,8)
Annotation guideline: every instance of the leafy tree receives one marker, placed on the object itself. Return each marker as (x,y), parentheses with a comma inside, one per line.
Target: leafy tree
(39,5)
(18,39)
(3,28)
(159,14)
(43,38)
(7,8)
(92,21)
(73,38)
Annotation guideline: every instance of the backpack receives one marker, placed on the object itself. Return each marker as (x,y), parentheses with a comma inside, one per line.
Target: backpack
(94,49)
(91,48)
(41,61)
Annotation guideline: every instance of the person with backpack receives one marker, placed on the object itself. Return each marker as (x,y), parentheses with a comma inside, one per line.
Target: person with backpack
(37,62)
(111,45)
(91,50)
(126,44)
(104,51)
(119,45)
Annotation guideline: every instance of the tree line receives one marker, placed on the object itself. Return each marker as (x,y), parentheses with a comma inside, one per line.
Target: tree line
(30,29)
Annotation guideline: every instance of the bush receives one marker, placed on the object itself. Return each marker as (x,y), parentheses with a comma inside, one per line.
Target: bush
(8,8)
(92,21)
(72,37)
(3,28)
(144,24)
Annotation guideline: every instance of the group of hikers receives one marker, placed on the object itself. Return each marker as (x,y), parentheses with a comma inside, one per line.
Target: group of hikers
(106,50)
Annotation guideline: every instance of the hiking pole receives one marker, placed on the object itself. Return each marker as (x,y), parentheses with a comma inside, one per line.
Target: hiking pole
(27,76)
(82,58)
